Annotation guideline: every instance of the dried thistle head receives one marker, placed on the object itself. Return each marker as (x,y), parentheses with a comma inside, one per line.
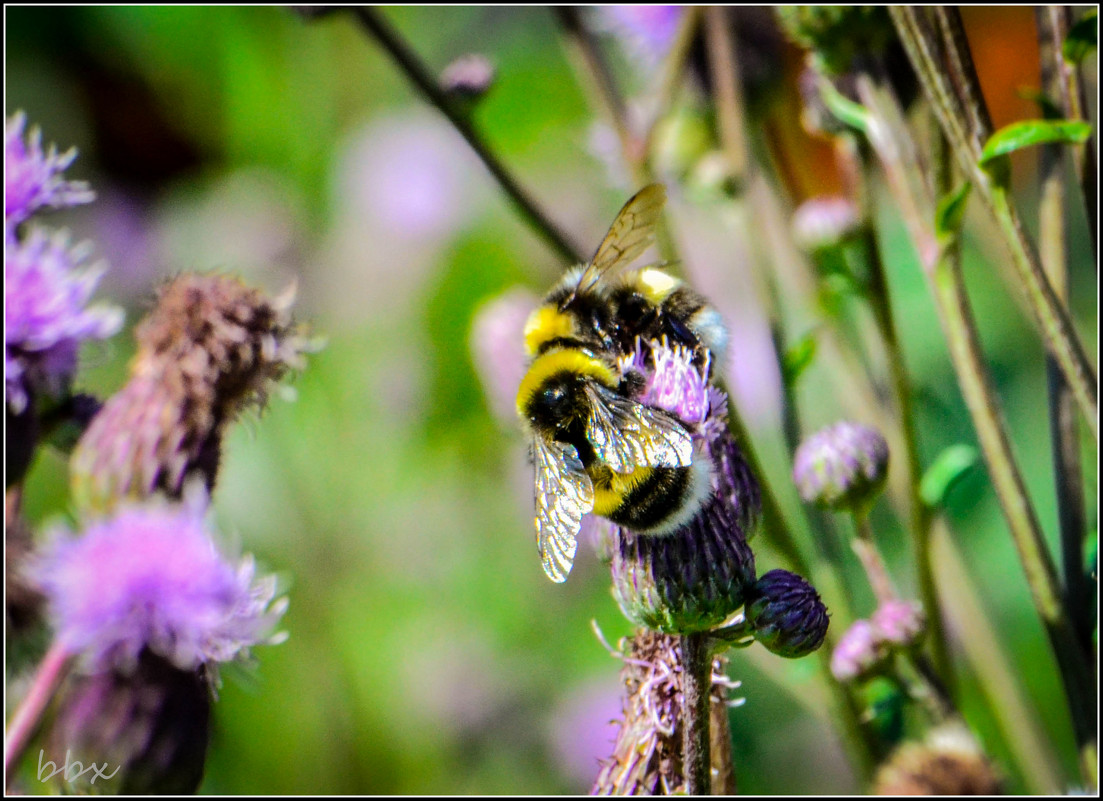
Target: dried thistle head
(948,762)
(209,349)
(647,757)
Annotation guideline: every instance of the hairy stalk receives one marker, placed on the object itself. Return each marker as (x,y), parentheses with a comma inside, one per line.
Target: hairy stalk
(1064,433)
(1047,313)
(696,686)
(51,672)
(405,58)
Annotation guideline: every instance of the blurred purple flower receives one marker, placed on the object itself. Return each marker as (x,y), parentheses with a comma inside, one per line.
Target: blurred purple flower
(407,177)
(858,653)
(646,32)
(32,179)
(497,348)
(152,577)
(46,317)
(899,622)
(584,729)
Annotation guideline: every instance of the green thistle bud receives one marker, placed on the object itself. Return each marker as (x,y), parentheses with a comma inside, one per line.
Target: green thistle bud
(788,617)
(843,466)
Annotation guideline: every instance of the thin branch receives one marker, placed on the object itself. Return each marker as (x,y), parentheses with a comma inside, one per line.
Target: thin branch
(411,65)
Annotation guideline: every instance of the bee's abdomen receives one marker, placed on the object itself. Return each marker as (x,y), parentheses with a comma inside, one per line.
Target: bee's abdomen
(654,500)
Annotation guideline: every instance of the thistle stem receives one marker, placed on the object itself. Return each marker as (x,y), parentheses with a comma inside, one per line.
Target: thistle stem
(405,58)
(1047,313)
(920,514)
(871,560)
(1064,434)
(24,723)
(696,691)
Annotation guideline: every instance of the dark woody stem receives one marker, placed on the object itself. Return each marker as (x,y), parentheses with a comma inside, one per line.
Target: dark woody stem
(696,688)
(409,63)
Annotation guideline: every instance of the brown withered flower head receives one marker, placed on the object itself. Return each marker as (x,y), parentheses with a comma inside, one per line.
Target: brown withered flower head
(210,348)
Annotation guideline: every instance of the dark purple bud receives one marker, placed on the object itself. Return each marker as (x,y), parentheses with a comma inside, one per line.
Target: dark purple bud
(787,614)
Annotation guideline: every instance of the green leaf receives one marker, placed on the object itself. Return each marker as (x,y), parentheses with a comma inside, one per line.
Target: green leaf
(1026,133)
(797,359)
(951,211)
(1082,39)
(849,113)
(948,467)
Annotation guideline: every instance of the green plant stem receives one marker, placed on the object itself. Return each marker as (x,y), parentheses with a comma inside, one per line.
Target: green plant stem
(1064,434)
(696,689)
(1048,314)
(941,264)
(404,57)
(999,678)
(51,672)
(956,316)
(919,512)
(720,39)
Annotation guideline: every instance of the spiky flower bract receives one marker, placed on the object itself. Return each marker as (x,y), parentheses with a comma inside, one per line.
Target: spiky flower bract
(788,617)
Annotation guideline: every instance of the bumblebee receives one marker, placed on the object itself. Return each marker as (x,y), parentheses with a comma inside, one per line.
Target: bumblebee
(595,447)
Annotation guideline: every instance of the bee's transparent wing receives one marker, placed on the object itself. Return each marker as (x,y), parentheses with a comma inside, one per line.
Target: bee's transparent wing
(626,434)
(563,494)
(630,235)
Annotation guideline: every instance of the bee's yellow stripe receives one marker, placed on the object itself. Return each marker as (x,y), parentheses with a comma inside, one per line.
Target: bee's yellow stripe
(568,360)
(545,324)
(609,498)
(656,285)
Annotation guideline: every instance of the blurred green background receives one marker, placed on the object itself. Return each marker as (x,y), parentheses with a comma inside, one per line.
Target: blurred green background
(428,653)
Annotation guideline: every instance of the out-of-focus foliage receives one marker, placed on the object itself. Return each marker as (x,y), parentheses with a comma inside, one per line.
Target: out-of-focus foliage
(427,652)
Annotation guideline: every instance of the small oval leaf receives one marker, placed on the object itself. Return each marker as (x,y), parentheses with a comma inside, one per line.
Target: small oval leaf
(951,211)
(1026,133)
(947,468)
(797,359)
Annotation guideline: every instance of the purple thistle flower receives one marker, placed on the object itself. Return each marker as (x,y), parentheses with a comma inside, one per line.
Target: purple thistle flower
(646,32)
(32,179)
(152,578)
(694,577)
(841,466)
(900,623)
(858,653)
(46,312)
(674,383)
